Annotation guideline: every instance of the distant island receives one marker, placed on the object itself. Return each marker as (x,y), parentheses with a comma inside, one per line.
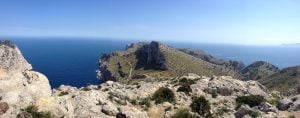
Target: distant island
(291,44)
(152,80)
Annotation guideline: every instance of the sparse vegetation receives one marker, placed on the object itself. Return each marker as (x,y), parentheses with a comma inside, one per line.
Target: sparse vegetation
(163,94)
(201,106)
(63,93)
(185,88)
(221,111)
(251,100)
(34,111)
(292,116)
(146,102)
(134,102)
(185,81)
(86,89)
(254,114)
(214,94)
(183,113)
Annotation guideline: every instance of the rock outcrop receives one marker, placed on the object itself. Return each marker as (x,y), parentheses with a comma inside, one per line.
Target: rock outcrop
(12,61)
(19,85)
(156,60)
(259,70)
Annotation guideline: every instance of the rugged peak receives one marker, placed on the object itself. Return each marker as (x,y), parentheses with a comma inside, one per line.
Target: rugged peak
(12,60)
(259,70)
(156,60)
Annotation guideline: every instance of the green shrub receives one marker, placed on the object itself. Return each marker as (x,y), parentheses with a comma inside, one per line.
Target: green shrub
(163,94)
(145,101)
(214,94)
(86,89)
(200,105)
(134,102)
(254,114)
(183,113)
(185,88)
(63,93)
(251,100)
(185,81)
(34,111)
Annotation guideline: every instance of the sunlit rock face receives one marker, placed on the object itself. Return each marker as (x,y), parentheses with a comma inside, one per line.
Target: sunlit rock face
(19,85)
(12,61)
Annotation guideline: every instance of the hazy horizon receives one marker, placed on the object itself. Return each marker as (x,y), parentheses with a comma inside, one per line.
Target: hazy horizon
(253,22)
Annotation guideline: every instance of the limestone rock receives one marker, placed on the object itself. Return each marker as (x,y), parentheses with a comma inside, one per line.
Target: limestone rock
(12,61)
(243,111)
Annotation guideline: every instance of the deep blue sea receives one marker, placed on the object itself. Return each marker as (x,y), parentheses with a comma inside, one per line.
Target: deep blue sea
(74,61)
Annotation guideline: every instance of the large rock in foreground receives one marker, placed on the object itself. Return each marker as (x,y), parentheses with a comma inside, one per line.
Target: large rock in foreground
(19,86)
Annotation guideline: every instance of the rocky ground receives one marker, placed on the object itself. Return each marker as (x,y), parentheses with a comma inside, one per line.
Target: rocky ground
(25,93)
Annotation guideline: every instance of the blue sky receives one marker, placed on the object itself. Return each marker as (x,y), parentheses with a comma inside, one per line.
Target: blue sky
(258,22)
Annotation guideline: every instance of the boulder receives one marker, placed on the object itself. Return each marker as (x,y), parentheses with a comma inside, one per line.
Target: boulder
(291,104)
(243,111)
(3,107)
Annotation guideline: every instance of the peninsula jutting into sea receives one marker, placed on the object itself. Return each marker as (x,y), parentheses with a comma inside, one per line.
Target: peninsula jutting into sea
(152,80)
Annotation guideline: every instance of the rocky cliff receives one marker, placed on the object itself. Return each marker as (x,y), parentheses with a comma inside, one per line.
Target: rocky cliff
(156,60)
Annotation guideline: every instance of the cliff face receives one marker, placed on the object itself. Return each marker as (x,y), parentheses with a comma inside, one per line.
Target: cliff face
(156,60)
(19,85)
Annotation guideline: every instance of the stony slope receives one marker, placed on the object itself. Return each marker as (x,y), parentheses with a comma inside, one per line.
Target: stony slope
(259,70)
(286,81)
(156,60)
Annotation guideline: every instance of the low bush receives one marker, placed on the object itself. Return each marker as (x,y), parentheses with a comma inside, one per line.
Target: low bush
(183,113)
(145,101)
(214,94)
(200,105)
(251,100)
(34,111)
(163,94)
(185,81)
(63,93)
(185,88)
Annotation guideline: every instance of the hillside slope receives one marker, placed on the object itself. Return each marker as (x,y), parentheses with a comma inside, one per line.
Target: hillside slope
(259,70)
(286,81)
(156,60)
